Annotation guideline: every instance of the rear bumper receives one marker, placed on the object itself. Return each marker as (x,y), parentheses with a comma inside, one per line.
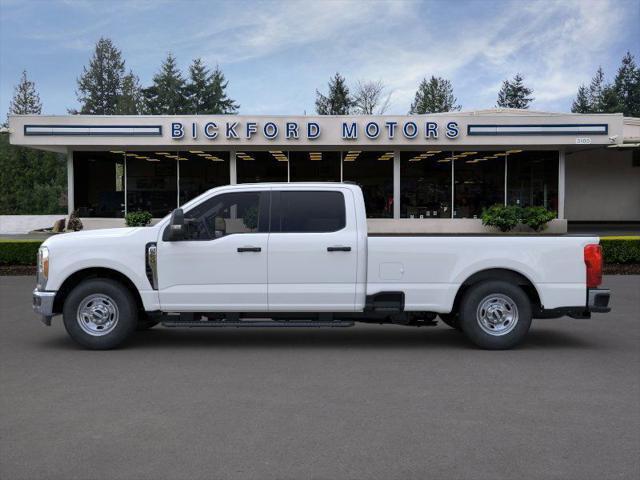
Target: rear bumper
(43,305)
(598,300)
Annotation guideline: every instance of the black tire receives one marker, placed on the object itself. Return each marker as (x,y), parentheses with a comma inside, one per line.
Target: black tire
(451,319)
(495,301)
(106,297)
(145,322)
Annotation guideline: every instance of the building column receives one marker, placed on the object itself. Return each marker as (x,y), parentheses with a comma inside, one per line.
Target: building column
(177,183)
(561,176)
(70,183)
(233,172)
(396,184)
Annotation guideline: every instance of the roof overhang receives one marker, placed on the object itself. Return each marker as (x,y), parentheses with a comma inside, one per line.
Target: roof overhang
(229,132)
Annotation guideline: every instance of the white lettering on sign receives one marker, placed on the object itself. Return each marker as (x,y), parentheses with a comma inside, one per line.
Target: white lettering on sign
(583,141)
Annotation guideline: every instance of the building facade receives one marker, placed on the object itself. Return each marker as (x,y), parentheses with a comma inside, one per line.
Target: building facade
(425,172)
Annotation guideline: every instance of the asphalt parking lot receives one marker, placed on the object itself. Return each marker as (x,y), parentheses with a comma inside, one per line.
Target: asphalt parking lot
(368,402)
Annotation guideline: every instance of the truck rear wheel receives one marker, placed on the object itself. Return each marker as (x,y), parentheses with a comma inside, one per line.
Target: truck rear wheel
(495,315)
(100,314)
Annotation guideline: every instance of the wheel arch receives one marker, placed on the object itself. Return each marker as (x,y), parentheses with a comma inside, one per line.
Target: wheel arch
(504,274)
(75,278)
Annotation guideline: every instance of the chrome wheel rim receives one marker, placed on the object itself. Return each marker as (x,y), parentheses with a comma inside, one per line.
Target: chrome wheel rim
(497,314)
(97,314)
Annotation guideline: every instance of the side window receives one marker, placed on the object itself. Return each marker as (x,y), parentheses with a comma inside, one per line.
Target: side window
(310,211)
(225,214)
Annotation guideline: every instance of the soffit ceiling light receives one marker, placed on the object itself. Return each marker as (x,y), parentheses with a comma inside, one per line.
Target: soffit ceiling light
(386,156)
(351,155)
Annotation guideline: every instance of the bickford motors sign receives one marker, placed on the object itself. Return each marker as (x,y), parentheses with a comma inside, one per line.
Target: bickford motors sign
(310,130)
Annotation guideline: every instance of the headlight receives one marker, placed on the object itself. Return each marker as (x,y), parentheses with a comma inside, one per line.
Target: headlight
(43,266)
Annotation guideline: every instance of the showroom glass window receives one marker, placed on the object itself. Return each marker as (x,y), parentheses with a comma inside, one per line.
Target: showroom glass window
(99,184)
(200,171)
(316,166)
(532,178)
(478,182)
(152,182)
(262,166)
(425,184)
(373,172)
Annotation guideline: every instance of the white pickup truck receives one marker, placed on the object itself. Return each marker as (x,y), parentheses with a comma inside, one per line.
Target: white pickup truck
(299,255)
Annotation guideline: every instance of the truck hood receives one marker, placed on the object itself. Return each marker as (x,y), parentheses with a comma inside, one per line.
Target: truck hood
(98,237)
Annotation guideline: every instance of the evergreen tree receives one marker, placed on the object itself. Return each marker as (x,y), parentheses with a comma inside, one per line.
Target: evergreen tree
(627,86)
(100,85)
(196,89)
(219,102)
(130,101)
(25,99)
(206,92)
(167,95)
(514,94)
(338,101)
(581,104)
(433,96)
(596,91)
(31,181)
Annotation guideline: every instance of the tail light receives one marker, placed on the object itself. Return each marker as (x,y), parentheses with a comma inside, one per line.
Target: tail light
(593,261)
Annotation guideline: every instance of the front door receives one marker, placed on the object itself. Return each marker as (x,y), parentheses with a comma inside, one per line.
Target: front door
(312,251)
(221,265)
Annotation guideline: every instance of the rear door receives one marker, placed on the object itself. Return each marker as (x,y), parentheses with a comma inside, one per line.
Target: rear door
(312,250)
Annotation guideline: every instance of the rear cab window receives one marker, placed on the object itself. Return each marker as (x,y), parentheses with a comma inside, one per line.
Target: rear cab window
(307,211)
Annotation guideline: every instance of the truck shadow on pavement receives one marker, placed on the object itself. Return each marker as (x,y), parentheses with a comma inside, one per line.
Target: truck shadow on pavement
(362,338)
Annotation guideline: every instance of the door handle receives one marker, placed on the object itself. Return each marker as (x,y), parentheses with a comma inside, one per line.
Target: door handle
(249,249)
(338,249)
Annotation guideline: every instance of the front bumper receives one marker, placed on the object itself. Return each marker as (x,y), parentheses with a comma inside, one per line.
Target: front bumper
(43,305)
(598,300)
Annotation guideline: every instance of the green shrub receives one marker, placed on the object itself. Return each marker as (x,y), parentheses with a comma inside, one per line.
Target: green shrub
(504,218)
(138,219)
(19,252)
(537,217)
(621,249)
(507,217)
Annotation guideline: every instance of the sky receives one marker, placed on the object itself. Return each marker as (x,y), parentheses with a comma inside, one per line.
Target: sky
(275,54)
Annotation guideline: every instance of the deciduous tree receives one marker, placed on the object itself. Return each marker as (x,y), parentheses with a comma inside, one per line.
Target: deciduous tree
(371,98)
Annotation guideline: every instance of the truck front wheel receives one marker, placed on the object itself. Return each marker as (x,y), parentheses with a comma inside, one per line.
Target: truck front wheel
(495,315)
(100,314)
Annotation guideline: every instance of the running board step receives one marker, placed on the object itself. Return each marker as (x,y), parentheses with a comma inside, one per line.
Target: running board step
(258,324)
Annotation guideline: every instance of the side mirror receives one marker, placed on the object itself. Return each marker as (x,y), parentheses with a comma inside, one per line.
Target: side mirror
(176,226)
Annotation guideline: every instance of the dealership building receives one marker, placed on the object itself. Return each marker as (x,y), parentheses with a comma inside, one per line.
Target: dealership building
(431,173)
